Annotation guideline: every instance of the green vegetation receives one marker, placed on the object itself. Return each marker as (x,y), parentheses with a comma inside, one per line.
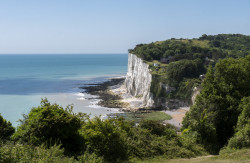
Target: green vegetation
(241,137)
(50,133)
(225,156)
(50,124)
(220,117)
(180,61)
(179,70)
(222,108)
(6,129)
(218,122)
(154,116)
(16,152)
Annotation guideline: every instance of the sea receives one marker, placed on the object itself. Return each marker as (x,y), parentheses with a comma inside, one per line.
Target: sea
(25,79)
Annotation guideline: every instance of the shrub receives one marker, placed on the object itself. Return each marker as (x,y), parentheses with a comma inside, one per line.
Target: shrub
(50,124)
(152,139)
(158,129)
(241,138)
(10,152)
(90,158)
(106,138)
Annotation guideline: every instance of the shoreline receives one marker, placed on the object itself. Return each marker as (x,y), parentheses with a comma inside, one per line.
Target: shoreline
(103,93)
(112,94)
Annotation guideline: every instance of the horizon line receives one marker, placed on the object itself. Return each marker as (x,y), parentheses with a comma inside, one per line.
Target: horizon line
(60,53)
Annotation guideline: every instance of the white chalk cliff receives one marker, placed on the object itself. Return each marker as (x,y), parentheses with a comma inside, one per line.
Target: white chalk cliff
(138,80)
(137,87)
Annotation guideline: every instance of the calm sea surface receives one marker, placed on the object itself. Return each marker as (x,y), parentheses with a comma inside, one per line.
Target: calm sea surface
(25,79)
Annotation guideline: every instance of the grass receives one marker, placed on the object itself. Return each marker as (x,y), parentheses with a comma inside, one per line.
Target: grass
(155,116)
(226,156)
(195,42)
(200,43)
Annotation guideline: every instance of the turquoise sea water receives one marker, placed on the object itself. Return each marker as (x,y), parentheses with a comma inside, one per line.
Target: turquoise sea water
(25,79)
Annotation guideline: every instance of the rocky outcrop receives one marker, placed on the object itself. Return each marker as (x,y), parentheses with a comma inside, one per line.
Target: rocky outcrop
(138,80)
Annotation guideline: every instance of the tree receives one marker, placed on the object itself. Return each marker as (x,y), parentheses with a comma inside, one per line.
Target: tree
(6,128)
(177,71)
(106,138)
(219,101)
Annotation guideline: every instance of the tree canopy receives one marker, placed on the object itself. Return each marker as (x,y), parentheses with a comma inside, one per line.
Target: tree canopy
(6,128)
(216,110)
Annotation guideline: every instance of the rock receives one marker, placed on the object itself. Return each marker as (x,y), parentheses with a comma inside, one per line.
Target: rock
(138,80)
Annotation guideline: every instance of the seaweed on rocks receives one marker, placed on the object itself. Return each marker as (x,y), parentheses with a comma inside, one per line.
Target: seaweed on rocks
(108,99)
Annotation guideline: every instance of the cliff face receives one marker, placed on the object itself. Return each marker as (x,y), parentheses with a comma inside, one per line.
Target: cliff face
(138,80)
(138,83)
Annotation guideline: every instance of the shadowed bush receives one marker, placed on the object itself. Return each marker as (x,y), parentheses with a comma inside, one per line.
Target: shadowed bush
(6,128)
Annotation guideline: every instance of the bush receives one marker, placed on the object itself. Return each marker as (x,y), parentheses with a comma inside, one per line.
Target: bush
(6,128)
(50,124)
(106,138)
(10,152)
(152,139)
(158,129)
(90,158)
(241,138)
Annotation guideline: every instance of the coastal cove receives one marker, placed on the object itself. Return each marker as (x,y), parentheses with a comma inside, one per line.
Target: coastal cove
(26,79)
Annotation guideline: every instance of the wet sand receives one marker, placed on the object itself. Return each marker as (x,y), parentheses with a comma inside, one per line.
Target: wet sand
(177,116)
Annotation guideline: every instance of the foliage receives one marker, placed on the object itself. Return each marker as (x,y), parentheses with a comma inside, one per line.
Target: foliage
(6,128)
(186,89)
(187,59)
(91,140)
(211,46)
(50,124)
(117,140)
(177,71)
(236,42)
(151,139)
(90,158)
(244,118)
(241,138)
(106,138)
(158,129)
(10,152)
(216,109)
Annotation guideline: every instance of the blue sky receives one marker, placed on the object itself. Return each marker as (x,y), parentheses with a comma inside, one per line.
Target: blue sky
(112,26)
